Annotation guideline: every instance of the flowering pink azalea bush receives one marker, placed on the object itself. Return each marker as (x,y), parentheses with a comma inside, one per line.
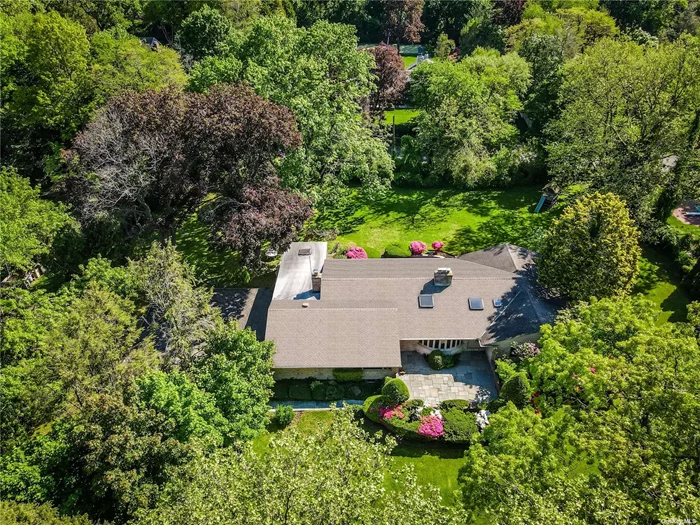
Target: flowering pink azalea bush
(389,412)
(417,247)
(431,426)
(356,253)
(438,245)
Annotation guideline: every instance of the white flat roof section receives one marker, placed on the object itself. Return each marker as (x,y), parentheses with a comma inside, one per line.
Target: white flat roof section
(294,275)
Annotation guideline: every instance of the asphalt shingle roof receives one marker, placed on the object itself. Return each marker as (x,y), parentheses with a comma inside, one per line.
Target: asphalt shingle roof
(367,306)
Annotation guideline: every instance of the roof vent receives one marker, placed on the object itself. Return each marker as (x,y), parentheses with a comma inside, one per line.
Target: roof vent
(304,251)
(442,277)
(476,303)
(304,305)
(425,301)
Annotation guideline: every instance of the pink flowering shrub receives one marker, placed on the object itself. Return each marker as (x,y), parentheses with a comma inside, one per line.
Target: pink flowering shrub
(431,426)
(438,245)
(389,412)
(356,253)
(417,247)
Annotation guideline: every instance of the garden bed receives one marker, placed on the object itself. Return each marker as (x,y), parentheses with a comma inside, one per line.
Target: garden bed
(323,390)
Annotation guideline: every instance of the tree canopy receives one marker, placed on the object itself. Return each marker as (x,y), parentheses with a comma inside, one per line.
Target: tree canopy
(592,250)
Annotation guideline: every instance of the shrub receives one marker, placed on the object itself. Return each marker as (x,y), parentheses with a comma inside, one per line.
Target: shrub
(517,390)
(459,425)
(417,247)
(521,351)
(396,250)
(371,407)
(280,390)
(459,404)
(437,360)
(334,391)
(345,375)
(438,245)
(431,426)
(413,404)
(318,390)
(426,411)
(353,392)
(395,391)
(300,390)
(284,415)
(356,253)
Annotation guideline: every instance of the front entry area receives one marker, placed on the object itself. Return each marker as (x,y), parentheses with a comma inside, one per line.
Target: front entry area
(472,379)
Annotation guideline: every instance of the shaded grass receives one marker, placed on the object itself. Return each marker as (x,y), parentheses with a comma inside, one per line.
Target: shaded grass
(407,61)
(401,115)
(464,220)
(683,227)
(216,267)
(658,281)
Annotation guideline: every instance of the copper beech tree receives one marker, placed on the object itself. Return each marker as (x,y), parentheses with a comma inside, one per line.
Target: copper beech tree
(391,77)
(148,160)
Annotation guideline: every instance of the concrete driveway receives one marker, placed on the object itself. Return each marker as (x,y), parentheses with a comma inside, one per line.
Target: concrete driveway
(471,379)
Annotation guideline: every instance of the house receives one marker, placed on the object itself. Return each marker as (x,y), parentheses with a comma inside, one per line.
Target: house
(365,313)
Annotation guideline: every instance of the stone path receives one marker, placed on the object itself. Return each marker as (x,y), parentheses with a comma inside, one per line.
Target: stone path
(471,379)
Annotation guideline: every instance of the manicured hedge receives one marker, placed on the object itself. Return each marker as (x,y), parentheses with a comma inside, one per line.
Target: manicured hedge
(396,250)
(347,375)
(395,391)
(460,426)
(299,391)
(324,390)
(284,415)
(517,390)
(461,404)
(371,407)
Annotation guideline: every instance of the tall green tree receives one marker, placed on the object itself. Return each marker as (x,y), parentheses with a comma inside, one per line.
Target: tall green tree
(181,311)
(465,126)
(337,474)
(205,32)
(28,223)
(627,110)
(320,75)
(237,371)
(592,250)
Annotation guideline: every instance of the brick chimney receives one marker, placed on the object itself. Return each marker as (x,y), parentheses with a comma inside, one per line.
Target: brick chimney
(442,277)
(316,280)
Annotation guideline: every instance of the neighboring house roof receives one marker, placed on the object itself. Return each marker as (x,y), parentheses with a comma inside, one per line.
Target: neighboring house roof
(367,306)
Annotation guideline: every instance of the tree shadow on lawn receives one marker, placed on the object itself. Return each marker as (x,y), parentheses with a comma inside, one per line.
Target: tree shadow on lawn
(658,275)
(510,226)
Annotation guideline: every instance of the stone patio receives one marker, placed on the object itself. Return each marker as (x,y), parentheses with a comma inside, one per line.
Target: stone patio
(471,379)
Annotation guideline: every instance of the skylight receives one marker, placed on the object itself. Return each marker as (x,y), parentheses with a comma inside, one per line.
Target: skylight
(476,303)
(497,303)
(425,301)
(304,251)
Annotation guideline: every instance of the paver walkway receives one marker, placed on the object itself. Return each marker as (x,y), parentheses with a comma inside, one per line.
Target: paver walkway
(471,379)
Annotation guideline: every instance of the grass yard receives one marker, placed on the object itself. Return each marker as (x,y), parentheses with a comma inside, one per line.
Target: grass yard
(401,115)
(219,268)
(435,465)
(464,220)
(681,226)
(658,281)
(407,61)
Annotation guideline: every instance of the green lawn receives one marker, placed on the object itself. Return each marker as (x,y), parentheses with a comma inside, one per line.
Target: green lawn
(407,61)
(464,220)
(659,282)
(215,267)
(679,225)
(401,115)
(436,465)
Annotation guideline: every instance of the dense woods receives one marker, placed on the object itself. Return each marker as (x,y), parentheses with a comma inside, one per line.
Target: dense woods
(127,396)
